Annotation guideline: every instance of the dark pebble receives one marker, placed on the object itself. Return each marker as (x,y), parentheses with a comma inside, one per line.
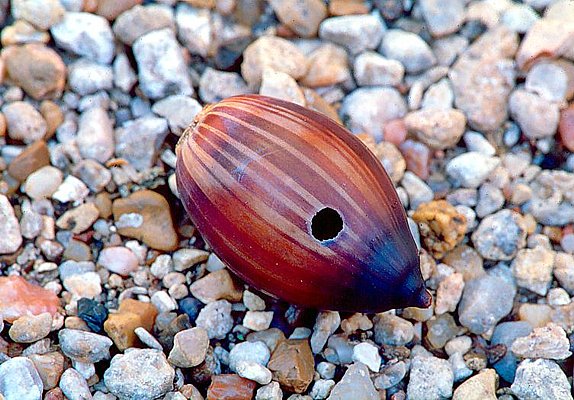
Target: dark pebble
(190,306)
(93,313)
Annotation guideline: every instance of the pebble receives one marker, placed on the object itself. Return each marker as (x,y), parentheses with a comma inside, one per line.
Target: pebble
(10,233)
(254,371)
(216,319)
(217,85)
(49,366)
(409,49)
(479,387)
(271,337)
(485,301)
(31,328)
(131,314)
(391,374)
(158,79)
(357,33)
(257,320)
(271,391)
(22,32)
(550,80)
(490,200)
(537,117)
(48,77)
(87,77)
(40,13)
(74,385)
(230,387)
(140,20)
(439,96)
(500,236)
(471,169)
(419,192)
(326,324)
(506,333)
(19,380)
(256,352)
(366,110)
(547,37)
(477,142)
(367,354)
(32,158)
(280,85)
(111,9)
(292,365)
(327,65)
(124,76)
(78,219)
(71,190)
(147,338)
(566,127)
(532,269)
(189,348)
(141,373)
(302,17)
(43,182)
(548,342)
(372,69)
(215,286)
(252,301)
(151,221)
(119,260)
(417,157)
(95,138)
(86,35)
(24,122)
(443,18)
(92,313)
(440,330)
(356,383)
(519,17)
(483,77)
(530,376)
(564,270)
(275,53)
(180,111)
(163,302)
(84,346)
(430,378)
(185,258)
(18,298)
(93,174)
(449,293)
(392,330)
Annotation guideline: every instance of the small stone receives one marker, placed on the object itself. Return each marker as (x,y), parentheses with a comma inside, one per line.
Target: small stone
(537,315)
(326,324)
(19,298)
(92,313)
(275,53)
(84,346)
(391,375)
(216,319)
(43,79)
(254,371)
(419,192)
(547,37)
(43,182)
(485,301)
(86,35)
(215,85)
(368,109)
(271,337)
(467,261)
(87,284)
(95,137)
(471,169)
(189,348)
(408,48)
(119,260)
(157,78)
(537,117)
(19,380)
(87,77)
(93,174)
(22,32)
(24,122)
(139,374)
(417,157)
(549,342)
(490,200)
(257,320)
(71,190)
(230,387)
(533,378)
(138,141)
(147,338)
(31,328)
(74,385)
(431,378)
(356,322)
(499,236)
(441,226)
(443,18)
(253,302)
(140,20)
(532,269)
(566,127)
(280,85)
(356,383)
(440,330)
(78,219)
(131,315)
(449,293)
(32,158)
(392,330)
(179,111)
(355,32)
(256,352)
(124,76)
(111,9)
(152,223)
(292,365)
(564,270)
(42,14)
(372,69)
(439,129)
(519,17)
(183,259)
(216,286)
(367,354)
(50,367)
(392,160)
(327,65)
(550,80)
(479,387)
(10,233)
(271,391)
(439,96)
(505,334)
(302,17)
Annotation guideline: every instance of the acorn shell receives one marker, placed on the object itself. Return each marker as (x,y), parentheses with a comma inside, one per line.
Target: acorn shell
(298,207)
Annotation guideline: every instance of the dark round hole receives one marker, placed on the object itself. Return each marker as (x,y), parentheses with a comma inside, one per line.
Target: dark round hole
(326,224)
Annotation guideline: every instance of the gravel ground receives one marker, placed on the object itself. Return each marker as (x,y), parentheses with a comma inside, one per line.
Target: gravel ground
(108,292)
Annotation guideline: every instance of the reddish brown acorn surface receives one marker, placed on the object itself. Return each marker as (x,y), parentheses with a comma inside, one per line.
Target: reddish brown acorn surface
(298,207)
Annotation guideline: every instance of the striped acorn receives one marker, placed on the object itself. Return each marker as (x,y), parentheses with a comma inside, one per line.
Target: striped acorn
(298,207)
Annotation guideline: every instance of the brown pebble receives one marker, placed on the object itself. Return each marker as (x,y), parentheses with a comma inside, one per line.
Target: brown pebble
(216,286)
(42,79)
(34,157)
(418,156)
(50,367)
(347,7)
(53,116)
(566,127)
(2,125)
(441,226)
(395,131)
(292,365)
(155,228)
(54,394)
(104,204)
(131,314)
(230,387)
(110,9)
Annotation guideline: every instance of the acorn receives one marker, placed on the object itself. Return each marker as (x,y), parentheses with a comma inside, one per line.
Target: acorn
(298,207)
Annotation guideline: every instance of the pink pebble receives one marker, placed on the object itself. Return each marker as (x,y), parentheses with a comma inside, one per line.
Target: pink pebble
(118,259)
(19,298)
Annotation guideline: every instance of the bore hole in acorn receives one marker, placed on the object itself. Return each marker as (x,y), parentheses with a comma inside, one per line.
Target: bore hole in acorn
(326,224)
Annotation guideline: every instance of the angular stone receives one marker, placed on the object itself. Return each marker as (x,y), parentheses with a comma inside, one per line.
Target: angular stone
(302,17)
(95,138)
(439,129)
(499,236)
(189,348)
(549,342)
(355,32)
(431,378)
(541,379)
(537,117)
(83,346)
(139,140)
(139,20)
(292,365)
(326,324)
(50,367)
(506,333)
(31,328)
(216,319)
(19,380)
(356,383)
(19,298)
(230,387)
(131,315)
(327,65)
(372,69)
(280,85)
(532,269)
(180,111)
(10,233)
(479,387)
